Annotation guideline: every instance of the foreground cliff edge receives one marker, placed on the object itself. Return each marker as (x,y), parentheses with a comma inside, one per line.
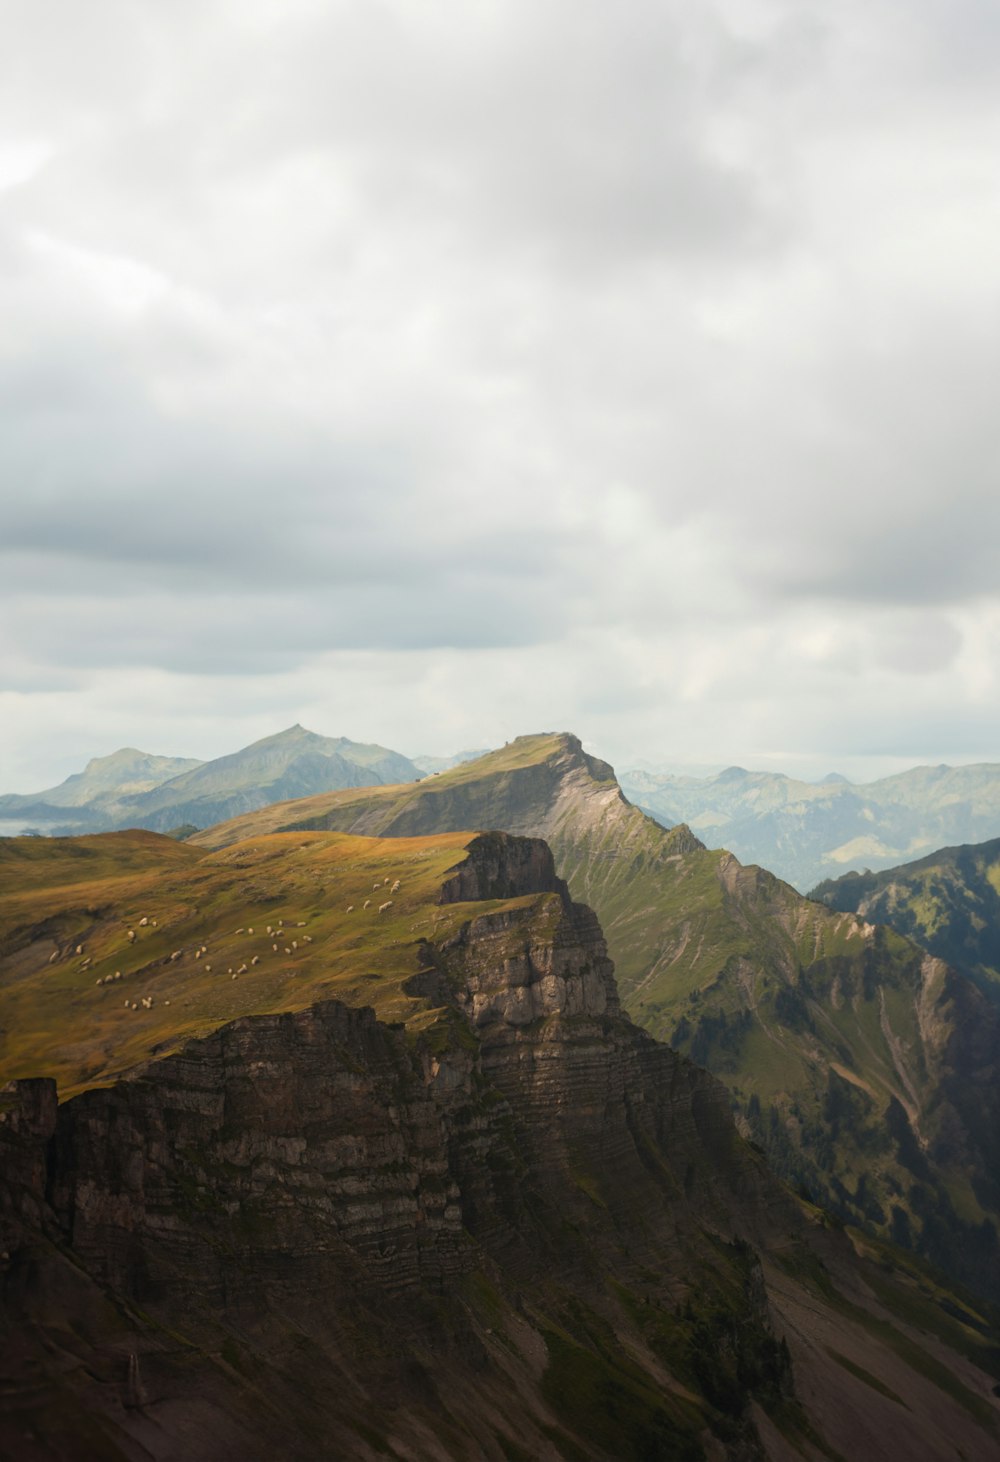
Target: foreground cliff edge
(410,1185)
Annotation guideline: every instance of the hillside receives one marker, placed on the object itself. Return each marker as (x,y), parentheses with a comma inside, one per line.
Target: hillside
(122,791)
(948,903)
(805,832)
(410,1187)
(869,1072)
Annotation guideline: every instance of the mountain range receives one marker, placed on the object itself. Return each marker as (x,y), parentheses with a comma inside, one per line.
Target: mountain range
(805,832)
(868,1071)
(355,1154)
(132,789)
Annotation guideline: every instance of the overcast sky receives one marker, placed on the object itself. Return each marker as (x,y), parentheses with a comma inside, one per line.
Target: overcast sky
(432,372)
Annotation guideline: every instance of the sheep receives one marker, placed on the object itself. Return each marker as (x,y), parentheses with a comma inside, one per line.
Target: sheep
(118,974)
(269,929)
(242,970)
(233,977)
(287,950)
(387,905)
(274,949)
(240,931)
(143,921)
(79,949)
(367,902)
(177,954)
(350,908)
(134,1006)
(295,944)
(375,885)
(153,922)
(98,982)
(255,959)
(166,1002)
(249,931)
(301,924)
(307,939)
(395,887)
(208,969)
(53,956)
(130,936)
(127,1003)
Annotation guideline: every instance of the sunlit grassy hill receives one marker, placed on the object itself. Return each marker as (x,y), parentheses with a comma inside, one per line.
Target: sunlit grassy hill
(118,947)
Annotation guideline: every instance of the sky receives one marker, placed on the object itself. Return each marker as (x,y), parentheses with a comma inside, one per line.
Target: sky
(428,373)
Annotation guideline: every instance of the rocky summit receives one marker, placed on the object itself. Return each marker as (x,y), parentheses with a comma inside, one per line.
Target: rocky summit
(411,1185)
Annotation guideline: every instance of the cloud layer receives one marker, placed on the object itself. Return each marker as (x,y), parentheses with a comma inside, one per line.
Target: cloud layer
(433,373)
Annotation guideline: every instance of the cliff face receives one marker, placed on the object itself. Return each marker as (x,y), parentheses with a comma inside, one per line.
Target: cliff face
(516,1227)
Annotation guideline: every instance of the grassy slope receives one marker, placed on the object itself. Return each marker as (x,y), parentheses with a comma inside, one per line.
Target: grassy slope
(949,902)
(61,1016)
(841,1045)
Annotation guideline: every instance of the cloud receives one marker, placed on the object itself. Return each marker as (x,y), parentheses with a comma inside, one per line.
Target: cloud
(631,372)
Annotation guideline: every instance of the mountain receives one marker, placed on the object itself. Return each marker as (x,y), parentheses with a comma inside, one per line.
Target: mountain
(293,763)
(806,832)
(868,1071)
(409,1186)
(948,902)
(102,783)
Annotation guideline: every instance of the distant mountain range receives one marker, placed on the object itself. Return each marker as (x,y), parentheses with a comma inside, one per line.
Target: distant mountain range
(133,789)
(805,832)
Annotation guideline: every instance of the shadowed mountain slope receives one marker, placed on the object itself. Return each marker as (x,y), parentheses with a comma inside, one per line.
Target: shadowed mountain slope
(90,795)
(804,831)
(948,902)
(410,1186)
(868,1071)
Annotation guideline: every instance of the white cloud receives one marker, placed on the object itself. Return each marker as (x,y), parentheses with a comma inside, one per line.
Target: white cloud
(629,371)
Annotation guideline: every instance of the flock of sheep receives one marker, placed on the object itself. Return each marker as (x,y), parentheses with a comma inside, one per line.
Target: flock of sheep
(275,933)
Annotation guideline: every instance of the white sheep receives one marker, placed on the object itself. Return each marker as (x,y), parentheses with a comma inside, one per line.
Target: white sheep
(387,905)
(143,921)
(350,908)
(255,959)
(367,902)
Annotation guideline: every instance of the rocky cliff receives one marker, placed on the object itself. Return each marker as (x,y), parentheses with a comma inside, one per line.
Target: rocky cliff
(514,1227)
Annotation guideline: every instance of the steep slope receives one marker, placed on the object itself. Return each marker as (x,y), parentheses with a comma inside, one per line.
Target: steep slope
(504,1223)
(91,796)
(805,832)
(948,902)
(869,1072)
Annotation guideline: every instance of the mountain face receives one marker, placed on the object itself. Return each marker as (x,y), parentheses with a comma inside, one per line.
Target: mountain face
(948,902)
(805,832)
(868,1071)
(487,1218)
(101,784)
(293,763)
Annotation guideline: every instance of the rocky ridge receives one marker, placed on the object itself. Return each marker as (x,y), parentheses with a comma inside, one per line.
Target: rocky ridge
(870,1075)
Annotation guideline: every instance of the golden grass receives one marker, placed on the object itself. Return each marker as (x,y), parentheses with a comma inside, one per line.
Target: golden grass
(59,1018)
